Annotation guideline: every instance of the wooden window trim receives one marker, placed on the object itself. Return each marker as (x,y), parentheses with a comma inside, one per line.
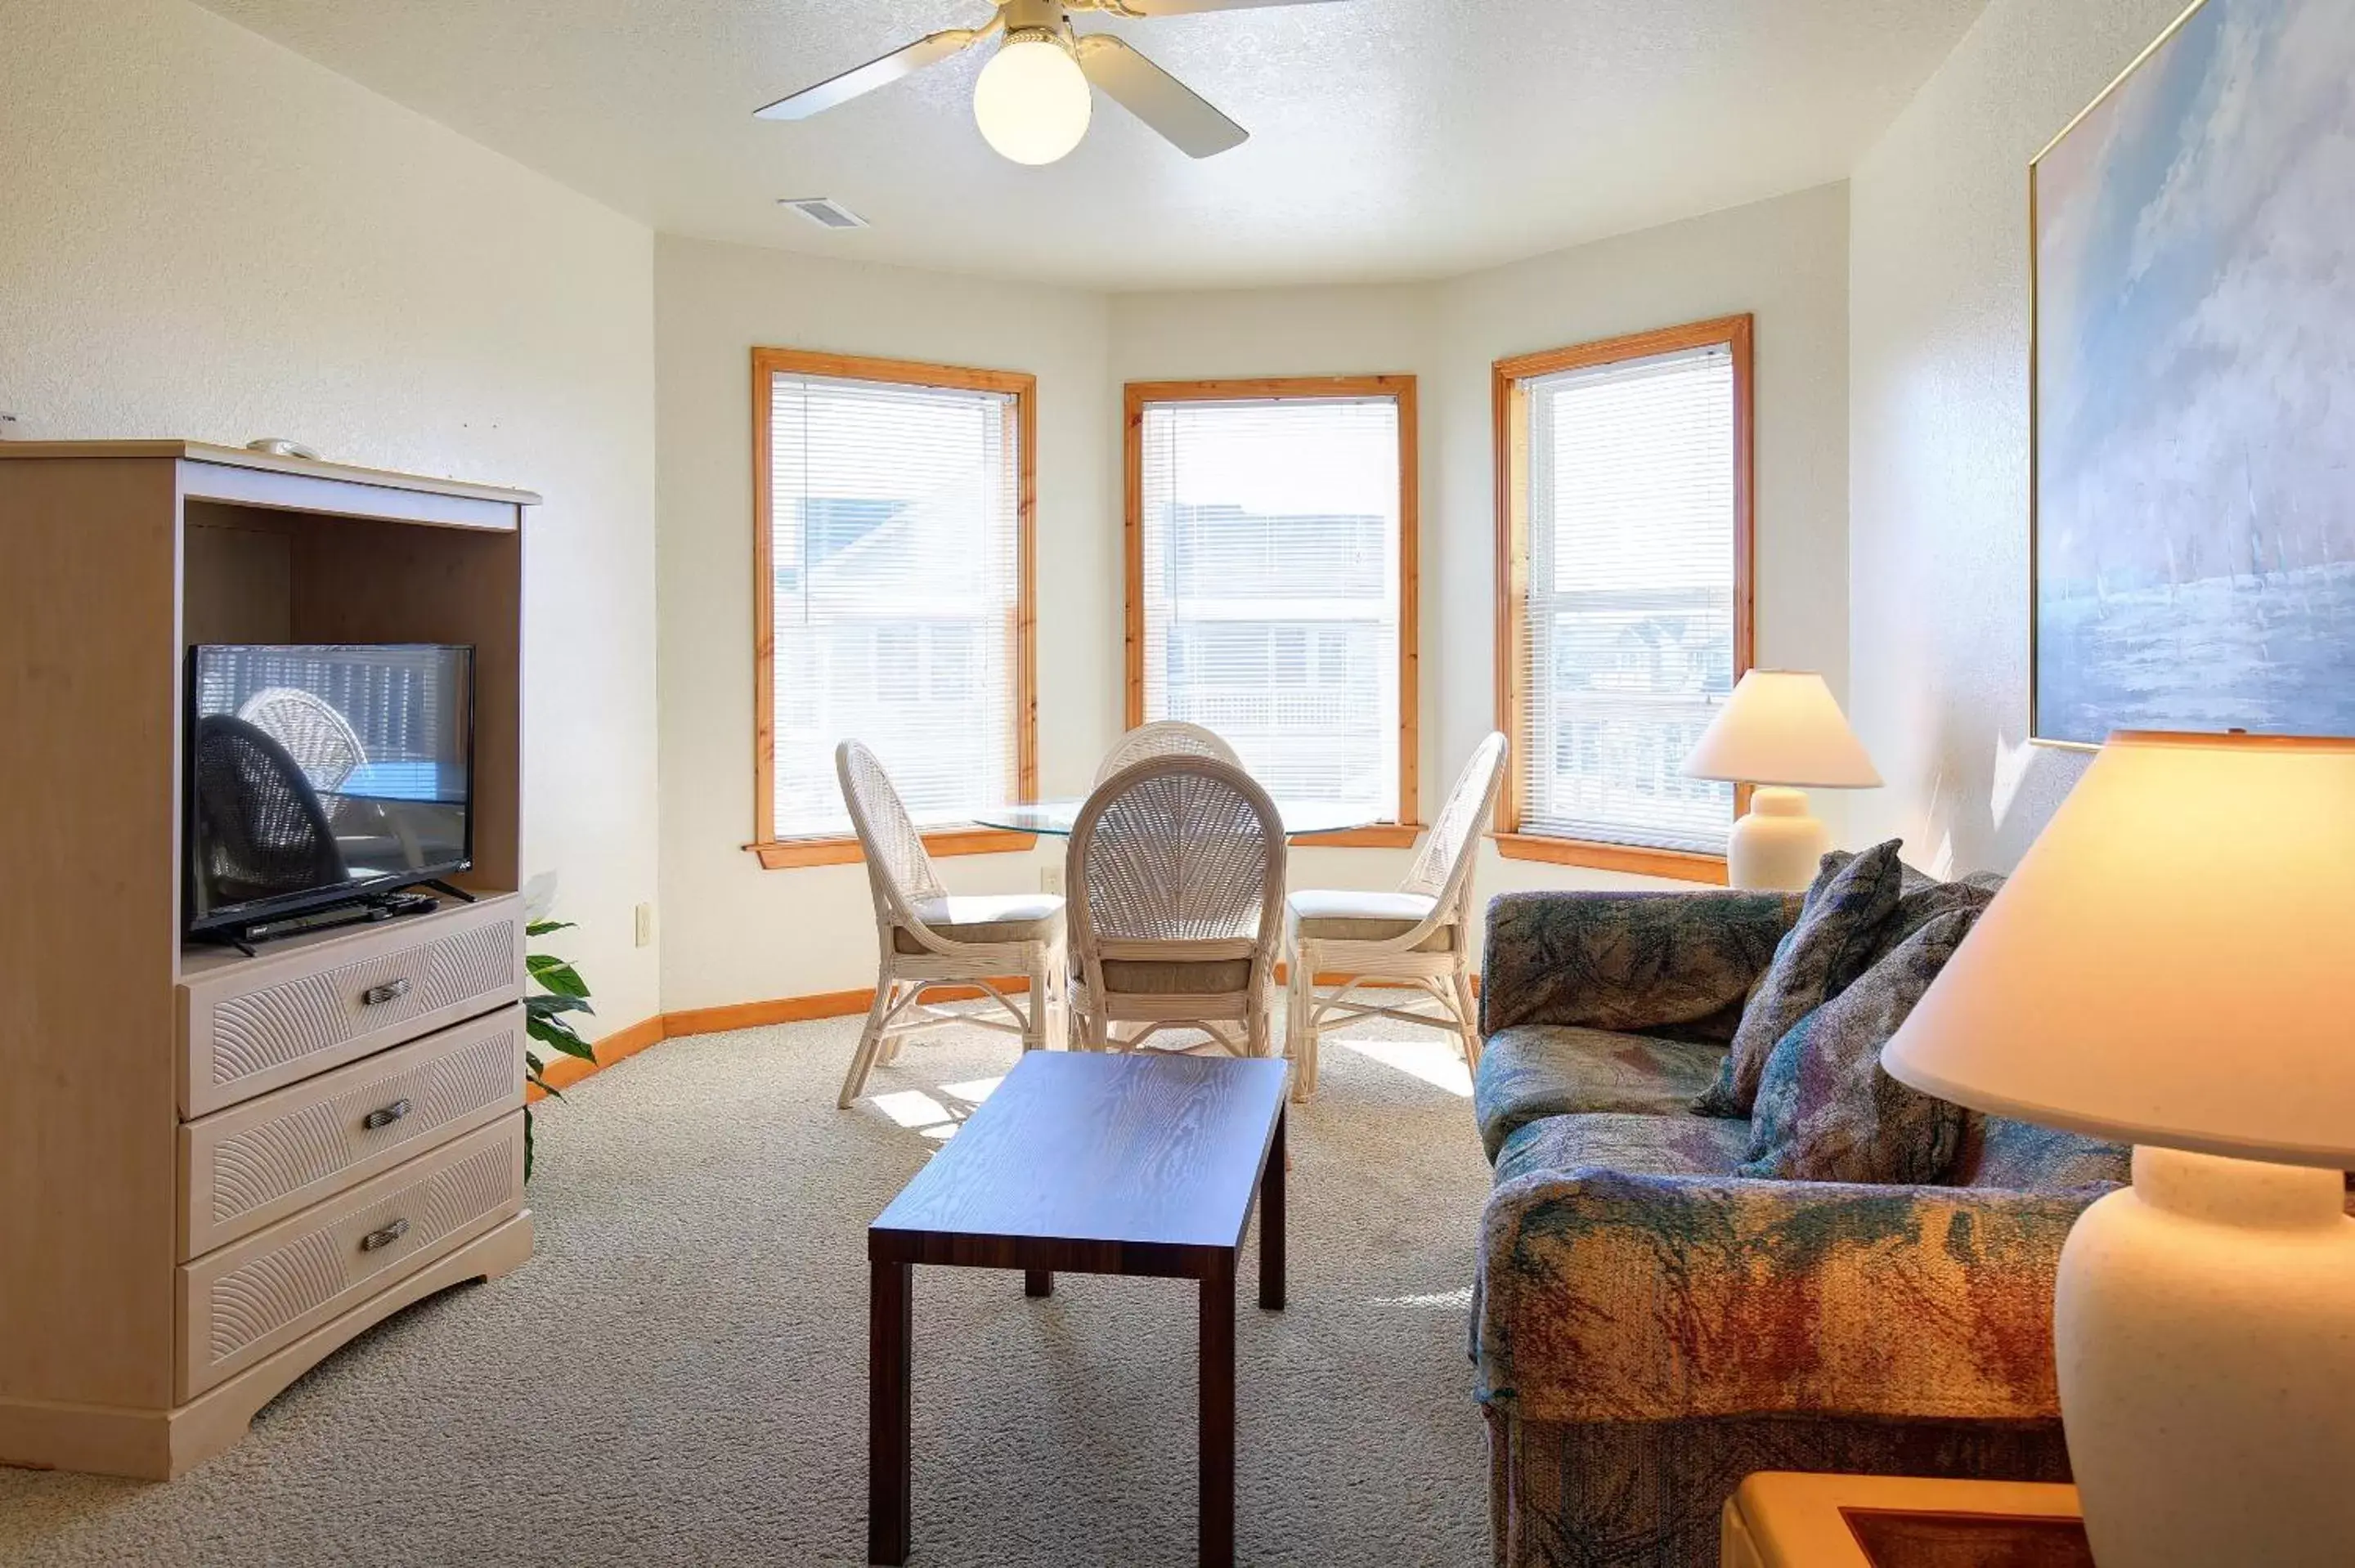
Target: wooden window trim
(777,854)
(787,854)
(1387,835)
(1511,456)
(1678,865)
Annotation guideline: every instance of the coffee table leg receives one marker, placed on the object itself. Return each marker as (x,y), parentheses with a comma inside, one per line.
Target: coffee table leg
(890,1319)
(1038,1282)
(1271,1224)
(1216,1374)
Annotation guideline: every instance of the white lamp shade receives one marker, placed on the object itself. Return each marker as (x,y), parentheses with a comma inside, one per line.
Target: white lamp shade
(1031,101)
(1782,726)
(2174,961)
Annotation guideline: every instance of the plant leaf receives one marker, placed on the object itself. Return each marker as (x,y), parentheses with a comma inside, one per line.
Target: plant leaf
(542,927)
(549,1003)
(555,974)
(551,1033)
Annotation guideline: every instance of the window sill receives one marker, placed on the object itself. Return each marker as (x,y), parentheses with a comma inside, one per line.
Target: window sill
(1380,835)
(1676,864)
(797,852)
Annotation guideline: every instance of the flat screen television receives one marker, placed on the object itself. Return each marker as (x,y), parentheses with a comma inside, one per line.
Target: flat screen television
(321,774)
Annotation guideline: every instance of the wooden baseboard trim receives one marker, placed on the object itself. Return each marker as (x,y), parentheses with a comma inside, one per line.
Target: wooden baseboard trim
(567,1071)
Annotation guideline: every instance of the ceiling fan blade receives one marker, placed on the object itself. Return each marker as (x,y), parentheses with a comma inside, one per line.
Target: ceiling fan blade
(1187,7)
(875,73)
(1155,97)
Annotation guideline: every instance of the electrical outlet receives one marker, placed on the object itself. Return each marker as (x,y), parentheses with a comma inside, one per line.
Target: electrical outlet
(1050,879)
(646,925)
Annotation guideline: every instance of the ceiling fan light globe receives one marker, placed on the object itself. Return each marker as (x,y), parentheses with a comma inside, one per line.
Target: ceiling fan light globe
(1031,101)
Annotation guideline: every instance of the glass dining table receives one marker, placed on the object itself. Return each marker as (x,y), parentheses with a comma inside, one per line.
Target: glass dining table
(1054,818)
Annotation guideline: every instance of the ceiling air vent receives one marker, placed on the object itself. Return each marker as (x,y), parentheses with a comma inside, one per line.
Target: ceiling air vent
(825,211)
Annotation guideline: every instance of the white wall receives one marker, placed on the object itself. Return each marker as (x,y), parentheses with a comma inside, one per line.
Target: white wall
(735,933)
(1938,390)
(208,236)
(1373,330)
(732,931)
(204,235)
(1784,261)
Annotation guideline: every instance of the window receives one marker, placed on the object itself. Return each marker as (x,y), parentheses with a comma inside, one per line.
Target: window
(892,540)
(1624,613)
(1271,580)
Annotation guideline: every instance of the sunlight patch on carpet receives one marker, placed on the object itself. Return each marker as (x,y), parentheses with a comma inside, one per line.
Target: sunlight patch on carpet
(1456,1300)
(1435,1060)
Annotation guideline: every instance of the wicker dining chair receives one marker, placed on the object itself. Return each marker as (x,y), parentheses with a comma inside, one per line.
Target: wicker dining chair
(1415,938)
(320,739)
(1176,877)
(927,937)
(1164,737)
(261,829)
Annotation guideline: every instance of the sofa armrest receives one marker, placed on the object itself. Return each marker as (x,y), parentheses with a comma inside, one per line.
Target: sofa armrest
(1603,1296)
(1628,961)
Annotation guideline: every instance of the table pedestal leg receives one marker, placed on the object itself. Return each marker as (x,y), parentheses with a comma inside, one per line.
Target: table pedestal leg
(889,1320)
(1217,1416)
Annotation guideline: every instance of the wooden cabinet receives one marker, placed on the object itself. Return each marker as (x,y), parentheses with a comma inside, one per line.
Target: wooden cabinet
(220,1168)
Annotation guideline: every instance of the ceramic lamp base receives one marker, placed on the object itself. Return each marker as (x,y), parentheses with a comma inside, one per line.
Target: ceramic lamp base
(2204,1332)
(1774,847)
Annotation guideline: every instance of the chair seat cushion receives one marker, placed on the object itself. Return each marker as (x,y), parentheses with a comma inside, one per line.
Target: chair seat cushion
(1536,1070)
(1679,1145)
(1343,915)
(985,918)
(1175,976)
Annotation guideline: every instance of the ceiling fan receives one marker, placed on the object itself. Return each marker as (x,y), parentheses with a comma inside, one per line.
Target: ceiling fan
(1033,98)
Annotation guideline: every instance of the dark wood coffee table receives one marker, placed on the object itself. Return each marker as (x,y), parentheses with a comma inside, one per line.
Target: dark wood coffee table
(1096,1164)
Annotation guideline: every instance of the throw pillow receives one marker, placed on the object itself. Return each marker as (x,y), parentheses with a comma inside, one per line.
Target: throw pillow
(1921,904)
(1827,1111)
(1834,941)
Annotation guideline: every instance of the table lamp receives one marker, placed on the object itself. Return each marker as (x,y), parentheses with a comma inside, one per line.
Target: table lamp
(2173,967)
(1782,731)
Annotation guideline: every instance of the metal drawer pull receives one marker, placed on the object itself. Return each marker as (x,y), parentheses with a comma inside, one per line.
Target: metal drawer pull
(385,1237)
(390,991)
(384,1116)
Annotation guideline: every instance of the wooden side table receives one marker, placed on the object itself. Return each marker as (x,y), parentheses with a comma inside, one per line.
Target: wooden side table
(1778,1519)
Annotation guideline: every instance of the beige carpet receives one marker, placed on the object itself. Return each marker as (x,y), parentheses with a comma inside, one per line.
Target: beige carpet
(678,1376)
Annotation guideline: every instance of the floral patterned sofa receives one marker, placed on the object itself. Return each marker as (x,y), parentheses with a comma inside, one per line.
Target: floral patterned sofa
(1649,1328)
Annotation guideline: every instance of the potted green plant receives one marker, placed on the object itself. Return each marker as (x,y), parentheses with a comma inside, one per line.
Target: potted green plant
(557,989)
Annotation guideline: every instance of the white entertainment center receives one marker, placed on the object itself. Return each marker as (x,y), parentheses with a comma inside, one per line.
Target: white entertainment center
(220,1168)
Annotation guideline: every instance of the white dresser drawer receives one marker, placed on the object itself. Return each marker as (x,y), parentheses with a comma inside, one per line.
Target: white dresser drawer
(242,1301)
(252,1026)
(256,1162)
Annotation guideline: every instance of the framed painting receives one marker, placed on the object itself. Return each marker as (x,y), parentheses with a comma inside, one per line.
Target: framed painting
(2193,388)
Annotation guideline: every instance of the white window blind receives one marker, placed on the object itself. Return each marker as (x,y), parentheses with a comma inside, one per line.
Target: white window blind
(893,597)
(1271,591)
(1629,623)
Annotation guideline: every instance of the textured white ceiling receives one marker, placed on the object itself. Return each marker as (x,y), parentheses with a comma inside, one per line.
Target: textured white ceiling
(1389,138)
